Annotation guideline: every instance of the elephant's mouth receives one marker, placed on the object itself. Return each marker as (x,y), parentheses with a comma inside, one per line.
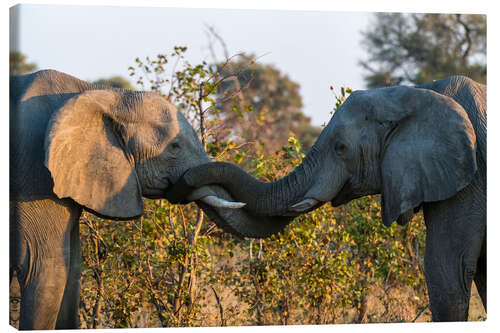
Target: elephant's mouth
(344,195)
(158,193)
(153,196)
(177,192)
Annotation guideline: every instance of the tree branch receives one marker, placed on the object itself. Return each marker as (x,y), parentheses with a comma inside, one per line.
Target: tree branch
(221,309)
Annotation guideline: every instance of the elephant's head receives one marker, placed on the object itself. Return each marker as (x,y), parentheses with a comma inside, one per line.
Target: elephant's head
(106,149)
(411,145)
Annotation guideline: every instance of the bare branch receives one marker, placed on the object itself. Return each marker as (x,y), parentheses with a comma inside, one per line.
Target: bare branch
(214,33)
(468,39)
(420,313)
(221,309)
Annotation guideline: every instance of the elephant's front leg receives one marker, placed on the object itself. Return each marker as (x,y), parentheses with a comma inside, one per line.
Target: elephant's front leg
(41,297)
(46,228)
(453,245)
(449,288)
(70,305)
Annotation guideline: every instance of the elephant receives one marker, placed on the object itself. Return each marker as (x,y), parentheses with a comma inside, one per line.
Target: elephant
(77,146)
(420,147)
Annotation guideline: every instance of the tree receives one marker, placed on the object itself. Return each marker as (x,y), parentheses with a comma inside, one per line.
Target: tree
(419,48)
(18,64)
(268,106)
(115,82)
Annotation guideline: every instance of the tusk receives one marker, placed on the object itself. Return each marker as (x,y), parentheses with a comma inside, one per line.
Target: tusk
(304,205)
(214,201)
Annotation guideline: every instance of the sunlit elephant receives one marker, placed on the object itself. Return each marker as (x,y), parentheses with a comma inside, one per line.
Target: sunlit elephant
(420,147)
(74,146)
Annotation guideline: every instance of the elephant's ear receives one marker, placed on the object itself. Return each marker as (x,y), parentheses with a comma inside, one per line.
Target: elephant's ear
(429,153)
(85,155)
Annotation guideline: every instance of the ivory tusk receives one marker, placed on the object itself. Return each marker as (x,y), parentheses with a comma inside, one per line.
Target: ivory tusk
(214,201)
(304,205)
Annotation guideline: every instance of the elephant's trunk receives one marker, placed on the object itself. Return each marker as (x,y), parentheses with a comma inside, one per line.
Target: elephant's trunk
(265,199)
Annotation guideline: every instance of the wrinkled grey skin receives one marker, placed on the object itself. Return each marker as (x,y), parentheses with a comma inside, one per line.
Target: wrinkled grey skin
(77,146)
(420,147)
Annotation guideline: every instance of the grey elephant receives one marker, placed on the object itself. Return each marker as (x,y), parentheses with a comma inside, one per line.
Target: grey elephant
(74,146)
(419,147)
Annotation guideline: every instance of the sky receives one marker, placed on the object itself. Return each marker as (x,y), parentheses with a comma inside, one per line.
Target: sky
(316,49)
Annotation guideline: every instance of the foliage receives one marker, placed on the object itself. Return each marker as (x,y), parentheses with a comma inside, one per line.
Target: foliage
(420,48)
(268,105)
(115,82)
(142,267)
(18,64)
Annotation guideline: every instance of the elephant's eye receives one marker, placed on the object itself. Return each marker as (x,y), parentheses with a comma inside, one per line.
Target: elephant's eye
(175,145)
(340,148)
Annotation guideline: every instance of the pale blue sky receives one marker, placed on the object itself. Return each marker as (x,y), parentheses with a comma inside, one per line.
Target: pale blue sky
(316,49)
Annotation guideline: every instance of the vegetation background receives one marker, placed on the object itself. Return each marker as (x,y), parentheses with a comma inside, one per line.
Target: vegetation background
(174,267)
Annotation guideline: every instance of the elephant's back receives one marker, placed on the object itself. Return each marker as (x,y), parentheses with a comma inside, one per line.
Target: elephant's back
(45,82)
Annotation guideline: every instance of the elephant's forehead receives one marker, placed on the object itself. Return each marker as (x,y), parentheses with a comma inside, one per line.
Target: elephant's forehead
(352,112)
(154,123)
